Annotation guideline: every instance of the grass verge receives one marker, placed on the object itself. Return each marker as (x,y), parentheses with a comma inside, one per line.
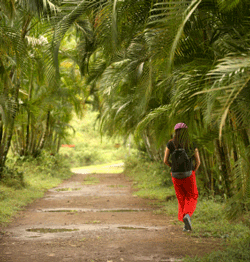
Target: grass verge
(153,181)
(33,177)
(150,179)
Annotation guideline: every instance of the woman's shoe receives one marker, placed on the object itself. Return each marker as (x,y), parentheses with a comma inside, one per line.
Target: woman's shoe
(187,222)
(185,230)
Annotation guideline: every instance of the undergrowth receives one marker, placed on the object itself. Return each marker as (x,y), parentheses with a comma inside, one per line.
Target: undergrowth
(153,180)
(238,251)
(25,179)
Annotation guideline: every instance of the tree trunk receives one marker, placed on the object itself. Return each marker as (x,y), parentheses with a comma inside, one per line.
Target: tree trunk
(27,135)
(150,144)
(245,137)
(223,157)
(58,145)
(28,127)
(1,131)
(6,141)
(46,132)
(205,169)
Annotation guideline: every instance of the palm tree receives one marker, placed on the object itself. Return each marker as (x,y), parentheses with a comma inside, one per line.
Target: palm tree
(13,50)
(17,20)
(207,60)
(150,64)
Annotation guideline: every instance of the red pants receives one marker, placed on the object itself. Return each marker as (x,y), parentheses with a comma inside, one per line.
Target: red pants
(187,195)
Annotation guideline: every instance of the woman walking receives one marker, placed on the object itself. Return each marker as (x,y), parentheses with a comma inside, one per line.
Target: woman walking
(185,161)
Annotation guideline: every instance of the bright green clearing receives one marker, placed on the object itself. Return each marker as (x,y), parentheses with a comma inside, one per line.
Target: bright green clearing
(104,168)
(90,147)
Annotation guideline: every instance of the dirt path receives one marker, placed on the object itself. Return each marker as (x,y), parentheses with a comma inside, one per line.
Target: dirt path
(96,220)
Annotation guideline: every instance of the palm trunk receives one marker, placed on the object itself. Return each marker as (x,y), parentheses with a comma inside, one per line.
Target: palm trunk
(1,132)
(6,141)
(224,163)
(28,138)
(58,145)
(46,132)
(147,145)
(245,137)
(205,169)
(27,135)
(150,144)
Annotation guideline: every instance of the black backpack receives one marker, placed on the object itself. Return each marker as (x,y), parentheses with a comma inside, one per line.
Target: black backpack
(180,161)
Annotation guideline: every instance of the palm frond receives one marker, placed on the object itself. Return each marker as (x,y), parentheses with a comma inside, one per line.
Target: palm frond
(153,115)
(39,7)
(62,27)
(230,78)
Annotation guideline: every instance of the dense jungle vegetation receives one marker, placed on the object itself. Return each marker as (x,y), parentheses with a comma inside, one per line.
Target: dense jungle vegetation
(144,65)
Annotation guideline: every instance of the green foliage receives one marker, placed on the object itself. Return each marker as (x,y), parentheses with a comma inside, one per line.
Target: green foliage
(150,178)
(210,220)
(11,177)
(145,65)
(48,165)
(183,61)
(239,251)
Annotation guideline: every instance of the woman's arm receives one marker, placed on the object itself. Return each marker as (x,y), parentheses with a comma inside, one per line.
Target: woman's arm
(197,159)
(166,157)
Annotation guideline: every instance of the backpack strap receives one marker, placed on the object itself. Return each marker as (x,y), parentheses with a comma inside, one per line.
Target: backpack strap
(174,147)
